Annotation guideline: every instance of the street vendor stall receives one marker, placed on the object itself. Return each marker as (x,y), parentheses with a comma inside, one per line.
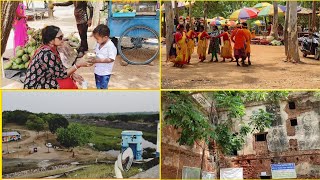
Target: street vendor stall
(135,30)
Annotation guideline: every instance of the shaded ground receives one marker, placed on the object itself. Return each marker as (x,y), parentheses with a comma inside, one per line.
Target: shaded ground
(123,77)
(268,71)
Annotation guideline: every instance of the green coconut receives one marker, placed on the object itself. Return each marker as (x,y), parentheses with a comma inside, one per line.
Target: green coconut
(25,58)
(19,53)
(18,61)
(8,65)
(26,65)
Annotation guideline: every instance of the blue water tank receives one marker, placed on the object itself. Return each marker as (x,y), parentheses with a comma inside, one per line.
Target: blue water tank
(133,139)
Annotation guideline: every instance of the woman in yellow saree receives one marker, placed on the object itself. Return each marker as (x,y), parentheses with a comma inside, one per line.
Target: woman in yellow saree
(190,35)
(181,47)
(202,44)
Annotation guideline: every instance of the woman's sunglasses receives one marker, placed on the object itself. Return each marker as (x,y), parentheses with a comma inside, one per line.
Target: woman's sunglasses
(60,37)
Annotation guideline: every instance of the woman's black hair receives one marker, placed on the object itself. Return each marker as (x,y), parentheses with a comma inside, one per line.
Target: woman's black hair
(226,27)
(180,26)
(49,33)
(187,26)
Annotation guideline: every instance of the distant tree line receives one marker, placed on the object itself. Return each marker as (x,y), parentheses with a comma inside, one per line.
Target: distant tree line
(151,118)
(35,121)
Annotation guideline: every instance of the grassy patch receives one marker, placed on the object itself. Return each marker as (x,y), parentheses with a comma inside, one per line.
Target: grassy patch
(100,171)
(106,138)
(45,173)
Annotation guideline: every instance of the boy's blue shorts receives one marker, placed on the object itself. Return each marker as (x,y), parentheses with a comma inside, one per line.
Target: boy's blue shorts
(102,81)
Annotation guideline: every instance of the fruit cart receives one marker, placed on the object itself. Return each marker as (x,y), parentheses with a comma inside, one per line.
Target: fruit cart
(134,29)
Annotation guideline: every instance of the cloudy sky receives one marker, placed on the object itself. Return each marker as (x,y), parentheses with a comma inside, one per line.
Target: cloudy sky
(81,102)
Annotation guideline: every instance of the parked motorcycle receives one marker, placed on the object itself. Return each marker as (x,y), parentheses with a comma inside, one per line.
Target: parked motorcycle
(311,46)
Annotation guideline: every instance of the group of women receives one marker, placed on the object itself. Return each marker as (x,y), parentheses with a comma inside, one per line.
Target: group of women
(184,44)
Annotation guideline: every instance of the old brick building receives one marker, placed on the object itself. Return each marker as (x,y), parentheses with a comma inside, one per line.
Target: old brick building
(293,138)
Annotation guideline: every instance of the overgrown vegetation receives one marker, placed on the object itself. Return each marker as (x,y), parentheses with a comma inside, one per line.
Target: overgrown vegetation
(135,117)
(181,111)
(105,138)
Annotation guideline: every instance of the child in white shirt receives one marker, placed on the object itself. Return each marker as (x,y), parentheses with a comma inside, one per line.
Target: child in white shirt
(106,53)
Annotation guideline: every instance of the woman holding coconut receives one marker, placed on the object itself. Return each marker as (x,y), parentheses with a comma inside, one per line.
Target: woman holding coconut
(46,70)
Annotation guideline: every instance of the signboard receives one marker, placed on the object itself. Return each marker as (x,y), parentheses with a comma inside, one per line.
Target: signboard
(190,173)
(285,170)
(207,175)
(231,173)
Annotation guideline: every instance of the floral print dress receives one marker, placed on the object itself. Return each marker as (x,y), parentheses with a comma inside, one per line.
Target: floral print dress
(44,70)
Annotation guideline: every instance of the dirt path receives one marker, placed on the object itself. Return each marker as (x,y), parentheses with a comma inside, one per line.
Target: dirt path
(23,147)
(267,72)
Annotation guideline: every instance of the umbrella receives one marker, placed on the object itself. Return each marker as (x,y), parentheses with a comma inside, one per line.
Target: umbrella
(261,5)
(232,23)
(244,13)
(259,23)
(219,18)
(215,23)
(269,11)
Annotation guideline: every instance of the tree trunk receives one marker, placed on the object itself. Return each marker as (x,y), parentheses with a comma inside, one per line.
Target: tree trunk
(293,35)
(50,9)
(169,26)
(97,6)
(176,10)
(205,14)
(275,20)
(8,9)
(202,158)
(314,16)
(285,30)
(190,10)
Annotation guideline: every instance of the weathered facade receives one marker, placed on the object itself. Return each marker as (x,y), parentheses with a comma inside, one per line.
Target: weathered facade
(293,138)
(175,157)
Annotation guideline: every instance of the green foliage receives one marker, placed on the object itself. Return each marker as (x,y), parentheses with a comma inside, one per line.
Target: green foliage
(125,117)
(75,116)
(182,113)
(261,120)
(74,135)
(105,138)
(228,140)
(317,94)
(57,121)
(232,101)
(267,96)
(36,123)
(18,116)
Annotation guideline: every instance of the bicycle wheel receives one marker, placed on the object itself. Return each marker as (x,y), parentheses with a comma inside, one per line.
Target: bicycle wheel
(139,45)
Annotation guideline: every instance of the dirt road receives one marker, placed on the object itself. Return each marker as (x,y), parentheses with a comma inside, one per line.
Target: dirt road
(268,71)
